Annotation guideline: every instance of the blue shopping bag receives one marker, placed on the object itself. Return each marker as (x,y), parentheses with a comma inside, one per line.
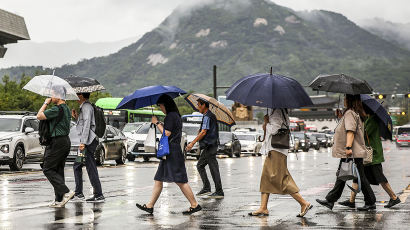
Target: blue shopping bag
(163,147)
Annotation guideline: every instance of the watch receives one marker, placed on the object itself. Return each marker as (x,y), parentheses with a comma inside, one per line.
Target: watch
(158,122)
(348,148)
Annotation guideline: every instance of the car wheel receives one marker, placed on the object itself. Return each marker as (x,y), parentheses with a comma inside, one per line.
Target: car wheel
(131,158)
(306,150)
(18,159)
(101,156)
(146,159)
(123,157)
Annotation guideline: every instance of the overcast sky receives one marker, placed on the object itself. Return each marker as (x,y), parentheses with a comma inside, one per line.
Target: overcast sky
(110,20)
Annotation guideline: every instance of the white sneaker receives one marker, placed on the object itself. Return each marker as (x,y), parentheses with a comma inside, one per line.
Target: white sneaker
(67,197)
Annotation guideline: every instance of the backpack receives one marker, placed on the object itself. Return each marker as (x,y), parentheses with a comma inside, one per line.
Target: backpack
(44,128)
(99,118)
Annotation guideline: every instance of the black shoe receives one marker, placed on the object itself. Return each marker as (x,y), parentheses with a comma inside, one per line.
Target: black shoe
(393,202)
(367,207)
(258,214)
(204,192)
(347,203)
(96,199)
(217,195)
(192,210)
(144,208)
(326,203)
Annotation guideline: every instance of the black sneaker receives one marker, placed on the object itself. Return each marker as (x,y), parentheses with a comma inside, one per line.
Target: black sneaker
(347,203)
(204,192)
(326,203)
(217,195)
(393,202)
(94,199)
(78,198)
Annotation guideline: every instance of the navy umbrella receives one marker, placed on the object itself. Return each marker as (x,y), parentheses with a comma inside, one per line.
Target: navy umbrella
(269,90)
(148,96)
(384,119)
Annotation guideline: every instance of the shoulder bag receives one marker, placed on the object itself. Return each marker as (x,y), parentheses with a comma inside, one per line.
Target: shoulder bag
(369,152)
(280,140)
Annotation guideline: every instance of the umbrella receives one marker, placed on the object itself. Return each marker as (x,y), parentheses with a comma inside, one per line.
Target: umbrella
(148,96)
(340,83)
(222,113)
(51,86)
(84,84)
(384,119)
(269,90)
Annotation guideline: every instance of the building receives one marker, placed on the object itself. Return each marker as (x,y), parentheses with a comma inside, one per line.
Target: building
(12,29)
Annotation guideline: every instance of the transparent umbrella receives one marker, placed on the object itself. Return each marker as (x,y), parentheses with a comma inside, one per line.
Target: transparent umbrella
(51,86)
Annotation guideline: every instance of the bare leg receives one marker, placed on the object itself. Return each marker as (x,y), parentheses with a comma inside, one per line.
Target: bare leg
(264,204)
(303,203)
(187,191)
(353,194)
(156,191)
(389,190)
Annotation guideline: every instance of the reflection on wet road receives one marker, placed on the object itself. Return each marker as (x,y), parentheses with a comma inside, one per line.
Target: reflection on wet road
(24,197)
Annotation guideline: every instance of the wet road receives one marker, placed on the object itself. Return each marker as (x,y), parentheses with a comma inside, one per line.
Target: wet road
(24,197)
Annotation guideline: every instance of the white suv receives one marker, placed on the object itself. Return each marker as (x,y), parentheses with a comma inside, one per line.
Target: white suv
(19,139)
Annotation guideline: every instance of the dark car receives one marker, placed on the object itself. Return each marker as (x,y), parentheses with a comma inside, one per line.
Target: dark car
(112,146)
(322,139)
(229,144)
(303,140)
(314,143)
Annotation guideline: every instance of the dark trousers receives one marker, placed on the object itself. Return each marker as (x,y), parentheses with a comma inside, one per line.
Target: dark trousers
(55,156)
(92,171)
(337,190)
(208,157)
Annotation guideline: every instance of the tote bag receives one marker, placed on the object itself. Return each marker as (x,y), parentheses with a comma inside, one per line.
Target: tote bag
(163,147)
(150,142)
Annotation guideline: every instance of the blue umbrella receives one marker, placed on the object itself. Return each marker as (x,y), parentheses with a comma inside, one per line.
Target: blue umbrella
(384,119)
(269,90)
(148,96)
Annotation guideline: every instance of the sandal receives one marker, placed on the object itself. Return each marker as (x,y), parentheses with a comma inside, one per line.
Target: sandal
(302,214)
(258,214)
(192,210)
(145,208)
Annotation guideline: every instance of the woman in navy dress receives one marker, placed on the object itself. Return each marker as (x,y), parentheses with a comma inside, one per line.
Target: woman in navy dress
(172,169)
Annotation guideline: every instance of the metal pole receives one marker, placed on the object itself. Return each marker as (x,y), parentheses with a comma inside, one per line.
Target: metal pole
(215,93)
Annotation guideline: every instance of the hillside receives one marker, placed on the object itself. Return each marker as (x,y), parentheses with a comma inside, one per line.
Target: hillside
(241,38)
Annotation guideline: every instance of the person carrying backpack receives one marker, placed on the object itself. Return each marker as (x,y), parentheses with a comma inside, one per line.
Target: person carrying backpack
(57,144)
(87,130)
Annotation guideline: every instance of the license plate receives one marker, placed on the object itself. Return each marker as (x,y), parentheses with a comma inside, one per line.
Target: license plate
(141,148)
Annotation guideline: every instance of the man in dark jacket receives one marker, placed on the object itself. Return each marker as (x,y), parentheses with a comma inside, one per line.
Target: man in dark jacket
(208,138)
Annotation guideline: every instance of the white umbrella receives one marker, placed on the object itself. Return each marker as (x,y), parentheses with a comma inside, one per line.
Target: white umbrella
(51,86)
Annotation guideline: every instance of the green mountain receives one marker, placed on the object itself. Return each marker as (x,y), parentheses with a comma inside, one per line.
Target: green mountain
(244,37)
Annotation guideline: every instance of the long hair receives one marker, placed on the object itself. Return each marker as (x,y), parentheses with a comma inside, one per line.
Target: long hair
(354,103)
(168,103)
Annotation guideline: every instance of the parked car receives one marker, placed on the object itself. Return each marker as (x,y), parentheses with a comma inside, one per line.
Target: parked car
(112,146)
(19,140)
(314,143)
(249,143)
(229,144)
(137,149)
(191,130)
(403,136)
(303,141)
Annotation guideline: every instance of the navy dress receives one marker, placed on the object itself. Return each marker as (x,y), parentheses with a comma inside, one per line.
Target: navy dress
(173,168)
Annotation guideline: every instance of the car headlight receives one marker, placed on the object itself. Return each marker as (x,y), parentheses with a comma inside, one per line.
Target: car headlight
(5,148)
(228,144)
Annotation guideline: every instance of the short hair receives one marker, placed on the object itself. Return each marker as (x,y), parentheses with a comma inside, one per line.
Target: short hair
(203,102)
(86,95)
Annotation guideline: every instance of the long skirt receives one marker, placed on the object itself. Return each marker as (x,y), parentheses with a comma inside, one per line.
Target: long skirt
(276,178)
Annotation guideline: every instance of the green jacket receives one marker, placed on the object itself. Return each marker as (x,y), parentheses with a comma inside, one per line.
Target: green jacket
(372,129)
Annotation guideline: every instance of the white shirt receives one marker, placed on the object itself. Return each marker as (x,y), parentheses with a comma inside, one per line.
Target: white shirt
(275,123)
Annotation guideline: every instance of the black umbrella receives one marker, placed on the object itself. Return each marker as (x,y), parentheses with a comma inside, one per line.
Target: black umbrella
(84,84)
(340,83)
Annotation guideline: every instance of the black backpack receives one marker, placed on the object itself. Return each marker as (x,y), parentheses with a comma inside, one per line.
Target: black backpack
(44,128)
(100,124)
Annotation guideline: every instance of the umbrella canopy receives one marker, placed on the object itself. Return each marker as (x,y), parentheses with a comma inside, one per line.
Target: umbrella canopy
(148,96)
(384,119)
(222,113)
(84,84)
(340,83)
(269,90)
(51,86)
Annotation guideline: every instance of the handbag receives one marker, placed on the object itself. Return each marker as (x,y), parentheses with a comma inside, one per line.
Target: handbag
(150,141)
(163,147)
(280,140)
(369,152)
(348,171)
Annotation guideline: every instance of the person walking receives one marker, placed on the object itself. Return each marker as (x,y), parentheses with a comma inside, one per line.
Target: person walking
(276,178)
(88,143)
(374,170)
(172,169)
(56,153)
(208,138)
(349,143)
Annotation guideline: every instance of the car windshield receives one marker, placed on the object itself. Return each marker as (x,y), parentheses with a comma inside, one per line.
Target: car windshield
(299,135)
(320,135)
(224,137)
(131,127)
(190,130)
(312,137)
(145,128)
(402,131)
(246,137)
(9,125)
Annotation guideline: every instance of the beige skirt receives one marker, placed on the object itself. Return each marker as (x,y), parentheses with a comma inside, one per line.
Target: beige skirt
(276,178)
